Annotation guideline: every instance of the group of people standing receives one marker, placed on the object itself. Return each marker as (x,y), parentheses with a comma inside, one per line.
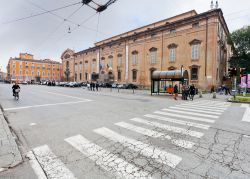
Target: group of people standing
(188,91)
(92,86)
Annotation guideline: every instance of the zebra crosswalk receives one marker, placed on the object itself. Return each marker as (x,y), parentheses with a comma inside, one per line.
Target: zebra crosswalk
(173,124)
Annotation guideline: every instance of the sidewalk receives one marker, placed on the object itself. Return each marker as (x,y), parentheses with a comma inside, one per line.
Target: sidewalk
(9,153)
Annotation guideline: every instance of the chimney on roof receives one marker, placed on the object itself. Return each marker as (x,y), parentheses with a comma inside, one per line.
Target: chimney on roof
(212,5)
(216,5)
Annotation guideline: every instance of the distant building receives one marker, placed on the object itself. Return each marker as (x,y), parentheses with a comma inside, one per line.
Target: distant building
(26,68)
(3,76)
(198,42)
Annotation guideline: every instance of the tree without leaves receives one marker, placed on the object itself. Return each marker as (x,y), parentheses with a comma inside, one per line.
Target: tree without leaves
(240,41)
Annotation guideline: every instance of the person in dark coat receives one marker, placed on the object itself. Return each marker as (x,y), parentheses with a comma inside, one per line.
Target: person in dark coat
(192,92)
(175,92)
(91,85)
(97,86)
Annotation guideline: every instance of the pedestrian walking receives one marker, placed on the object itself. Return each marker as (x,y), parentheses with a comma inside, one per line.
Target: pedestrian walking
(192,92)
(212,89)
(175,91)
(183,92)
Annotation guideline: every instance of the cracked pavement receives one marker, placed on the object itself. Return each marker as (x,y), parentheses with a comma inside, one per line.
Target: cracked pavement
(78,148)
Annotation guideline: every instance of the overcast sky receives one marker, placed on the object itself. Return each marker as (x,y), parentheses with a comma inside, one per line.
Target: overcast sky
(47,36)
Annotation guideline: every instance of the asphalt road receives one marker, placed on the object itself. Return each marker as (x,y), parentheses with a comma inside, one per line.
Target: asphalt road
(75,133)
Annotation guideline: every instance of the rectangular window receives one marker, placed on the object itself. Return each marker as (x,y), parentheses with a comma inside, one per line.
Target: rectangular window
(172,31)
(86,65)
(134,59)
(153,57)
(20,66)
(119,76)
(195,25)
(102,63)
(194,74)
(110,62)
(172,55)
(80,76)
(119,61)
(195,52)
(134,75)
(20,72)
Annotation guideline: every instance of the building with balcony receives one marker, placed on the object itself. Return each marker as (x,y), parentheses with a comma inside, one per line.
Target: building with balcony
(196,42)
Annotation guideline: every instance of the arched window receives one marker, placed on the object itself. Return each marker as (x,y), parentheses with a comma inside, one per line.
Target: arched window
(153,55)
(67,64)
(134,57)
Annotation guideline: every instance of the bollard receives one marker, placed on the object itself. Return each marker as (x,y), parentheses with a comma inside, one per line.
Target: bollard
(214,94)
(133,91)
(200,94)
(118,90)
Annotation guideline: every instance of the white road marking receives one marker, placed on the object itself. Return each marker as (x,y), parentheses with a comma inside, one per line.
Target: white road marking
(155,134)
(32,124)
(105,159)
(185,117)
(192,113)
(44,105)
(36,166)
(201,108)
(246,116)
(210,102)
(204,106)
(74,97)
(247,136)
(138,146)
(195,110)
(187,123)
(52,166)
(169,128)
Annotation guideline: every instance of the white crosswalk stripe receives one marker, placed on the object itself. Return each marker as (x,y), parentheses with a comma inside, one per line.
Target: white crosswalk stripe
(147,150)
(105,159)
(200,108)
(191,113)
(204,106)
(51,165)
(169,128)
(210,102)
(185,116)
(187,123)
(155,134)
(195,110)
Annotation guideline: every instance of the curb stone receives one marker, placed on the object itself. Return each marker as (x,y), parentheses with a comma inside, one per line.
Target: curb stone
(10,155)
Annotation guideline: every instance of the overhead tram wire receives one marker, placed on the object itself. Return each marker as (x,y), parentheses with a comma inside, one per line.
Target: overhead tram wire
(52,13)
(39,14)
(74,12)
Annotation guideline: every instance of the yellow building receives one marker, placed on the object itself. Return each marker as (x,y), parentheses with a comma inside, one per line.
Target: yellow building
(26,69)
(196,42)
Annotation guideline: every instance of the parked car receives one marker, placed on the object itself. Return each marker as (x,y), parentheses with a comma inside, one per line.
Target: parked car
(121,86)
(114,85)
(131,86)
